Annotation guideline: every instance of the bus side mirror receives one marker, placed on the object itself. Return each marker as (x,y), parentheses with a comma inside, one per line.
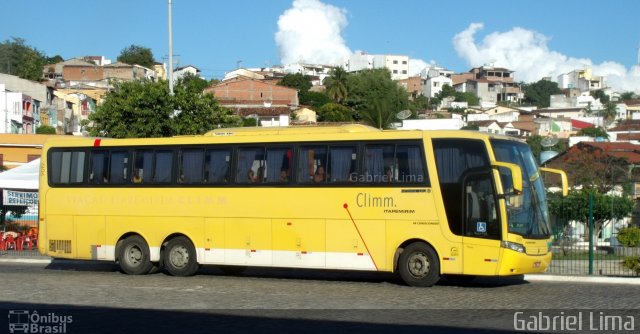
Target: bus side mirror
(563,177)
(516,175)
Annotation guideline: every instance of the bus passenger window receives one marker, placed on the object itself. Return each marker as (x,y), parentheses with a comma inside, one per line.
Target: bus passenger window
(310,159)
(278,165)
(216,166)
(379,164)
(342,163)
(142,166)
(250,165)
(99,167)
(118,168)
(163,166)
(191,163)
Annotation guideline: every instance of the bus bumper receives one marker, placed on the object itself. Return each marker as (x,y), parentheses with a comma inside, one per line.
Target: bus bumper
(516,263)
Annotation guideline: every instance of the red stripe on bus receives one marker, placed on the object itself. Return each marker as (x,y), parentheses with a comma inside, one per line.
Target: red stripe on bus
(96,143)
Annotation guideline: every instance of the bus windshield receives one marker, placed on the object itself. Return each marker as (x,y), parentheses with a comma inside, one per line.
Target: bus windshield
(531,218)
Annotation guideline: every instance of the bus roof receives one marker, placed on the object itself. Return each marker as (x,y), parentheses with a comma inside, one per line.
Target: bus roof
(253,131)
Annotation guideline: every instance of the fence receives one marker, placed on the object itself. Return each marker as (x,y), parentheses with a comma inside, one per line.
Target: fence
(575,252)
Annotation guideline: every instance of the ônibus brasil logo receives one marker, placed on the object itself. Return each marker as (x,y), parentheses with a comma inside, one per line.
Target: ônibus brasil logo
(23,321)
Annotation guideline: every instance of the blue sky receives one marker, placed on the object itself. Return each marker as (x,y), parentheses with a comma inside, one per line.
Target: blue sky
(215,35)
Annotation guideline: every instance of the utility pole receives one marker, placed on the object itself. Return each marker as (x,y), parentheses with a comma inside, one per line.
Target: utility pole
(170,67)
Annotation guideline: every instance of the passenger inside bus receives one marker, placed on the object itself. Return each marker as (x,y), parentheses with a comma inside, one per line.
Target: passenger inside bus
(319,176)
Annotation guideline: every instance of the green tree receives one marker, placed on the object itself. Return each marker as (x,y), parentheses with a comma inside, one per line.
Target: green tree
(599,94)
(298,81)
(609,113)
(375,98)
(19,59)
(314,99)
(198,113)
(140,109)
(539,93)
(421,102)
(337,85)
(468,97)
(333,112)
(137,55)
(192,83)
(576,207)
(627,96)
(45,130)
(593,132)
(54,60)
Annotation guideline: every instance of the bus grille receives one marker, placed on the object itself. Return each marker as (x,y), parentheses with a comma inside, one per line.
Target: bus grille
(60,246)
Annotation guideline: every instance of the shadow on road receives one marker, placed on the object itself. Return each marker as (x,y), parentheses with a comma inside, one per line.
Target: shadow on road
(297,274)
(111,320)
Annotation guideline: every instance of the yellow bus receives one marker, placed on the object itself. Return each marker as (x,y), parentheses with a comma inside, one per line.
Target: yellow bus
(424,204)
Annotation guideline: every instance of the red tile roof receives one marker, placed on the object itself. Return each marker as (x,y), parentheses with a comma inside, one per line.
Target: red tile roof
(576,124)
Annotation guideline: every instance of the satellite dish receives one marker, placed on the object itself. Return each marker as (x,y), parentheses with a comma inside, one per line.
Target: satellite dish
(549,141)
(404,114)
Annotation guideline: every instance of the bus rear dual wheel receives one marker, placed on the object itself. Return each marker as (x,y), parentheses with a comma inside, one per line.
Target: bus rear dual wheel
(418,265)
(179,257)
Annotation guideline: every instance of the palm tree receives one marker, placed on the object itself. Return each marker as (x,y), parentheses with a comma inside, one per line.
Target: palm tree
(336,84)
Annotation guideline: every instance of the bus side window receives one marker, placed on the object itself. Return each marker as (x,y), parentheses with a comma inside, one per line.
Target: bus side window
(278,165)
(191,166)
(163,166)
(342,163)
(216,165)
(99,167)
(411,166)
(311,164)
(142,166)
(379,164)
(118,172)
(250,165)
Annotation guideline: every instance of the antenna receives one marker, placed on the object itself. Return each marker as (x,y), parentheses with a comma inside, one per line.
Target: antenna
(404,114)
(549,141)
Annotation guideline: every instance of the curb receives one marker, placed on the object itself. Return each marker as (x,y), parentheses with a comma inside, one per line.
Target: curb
(583,279)
(25,260)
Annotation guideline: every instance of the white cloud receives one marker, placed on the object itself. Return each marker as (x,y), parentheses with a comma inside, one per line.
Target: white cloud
(526,52)
(311,32)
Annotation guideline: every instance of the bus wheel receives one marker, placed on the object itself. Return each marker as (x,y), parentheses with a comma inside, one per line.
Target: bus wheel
(134,256)
(180,257)
(418,265)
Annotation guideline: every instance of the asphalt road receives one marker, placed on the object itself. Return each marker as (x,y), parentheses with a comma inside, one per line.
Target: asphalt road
(99,298)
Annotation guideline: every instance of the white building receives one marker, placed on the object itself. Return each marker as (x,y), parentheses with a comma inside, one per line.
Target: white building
(397,65)
(10,111)
(180,72)
(433,79)
(583,80)
(432,124)
(317,72)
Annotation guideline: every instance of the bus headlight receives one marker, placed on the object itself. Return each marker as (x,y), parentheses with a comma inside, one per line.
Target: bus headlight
(513,246)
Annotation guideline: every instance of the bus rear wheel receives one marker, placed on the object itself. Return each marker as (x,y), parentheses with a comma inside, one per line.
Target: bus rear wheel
(133,256)
(180,257)
(418,265)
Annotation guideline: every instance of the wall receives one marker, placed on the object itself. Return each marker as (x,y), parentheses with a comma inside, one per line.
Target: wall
(16,148)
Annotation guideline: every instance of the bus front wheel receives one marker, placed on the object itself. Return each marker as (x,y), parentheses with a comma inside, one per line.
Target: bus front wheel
(180,257)
(133,256)
(418,265)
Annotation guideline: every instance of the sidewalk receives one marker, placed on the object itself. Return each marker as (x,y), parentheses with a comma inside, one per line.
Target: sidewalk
(6,257)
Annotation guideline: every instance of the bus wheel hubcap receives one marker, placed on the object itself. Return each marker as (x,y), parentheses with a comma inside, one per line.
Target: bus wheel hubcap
(134,255)
(418,265)
(179,256)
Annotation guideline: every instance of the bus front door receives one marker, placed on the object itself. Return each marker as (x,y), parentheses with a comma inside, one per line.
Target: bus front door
(481,224)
